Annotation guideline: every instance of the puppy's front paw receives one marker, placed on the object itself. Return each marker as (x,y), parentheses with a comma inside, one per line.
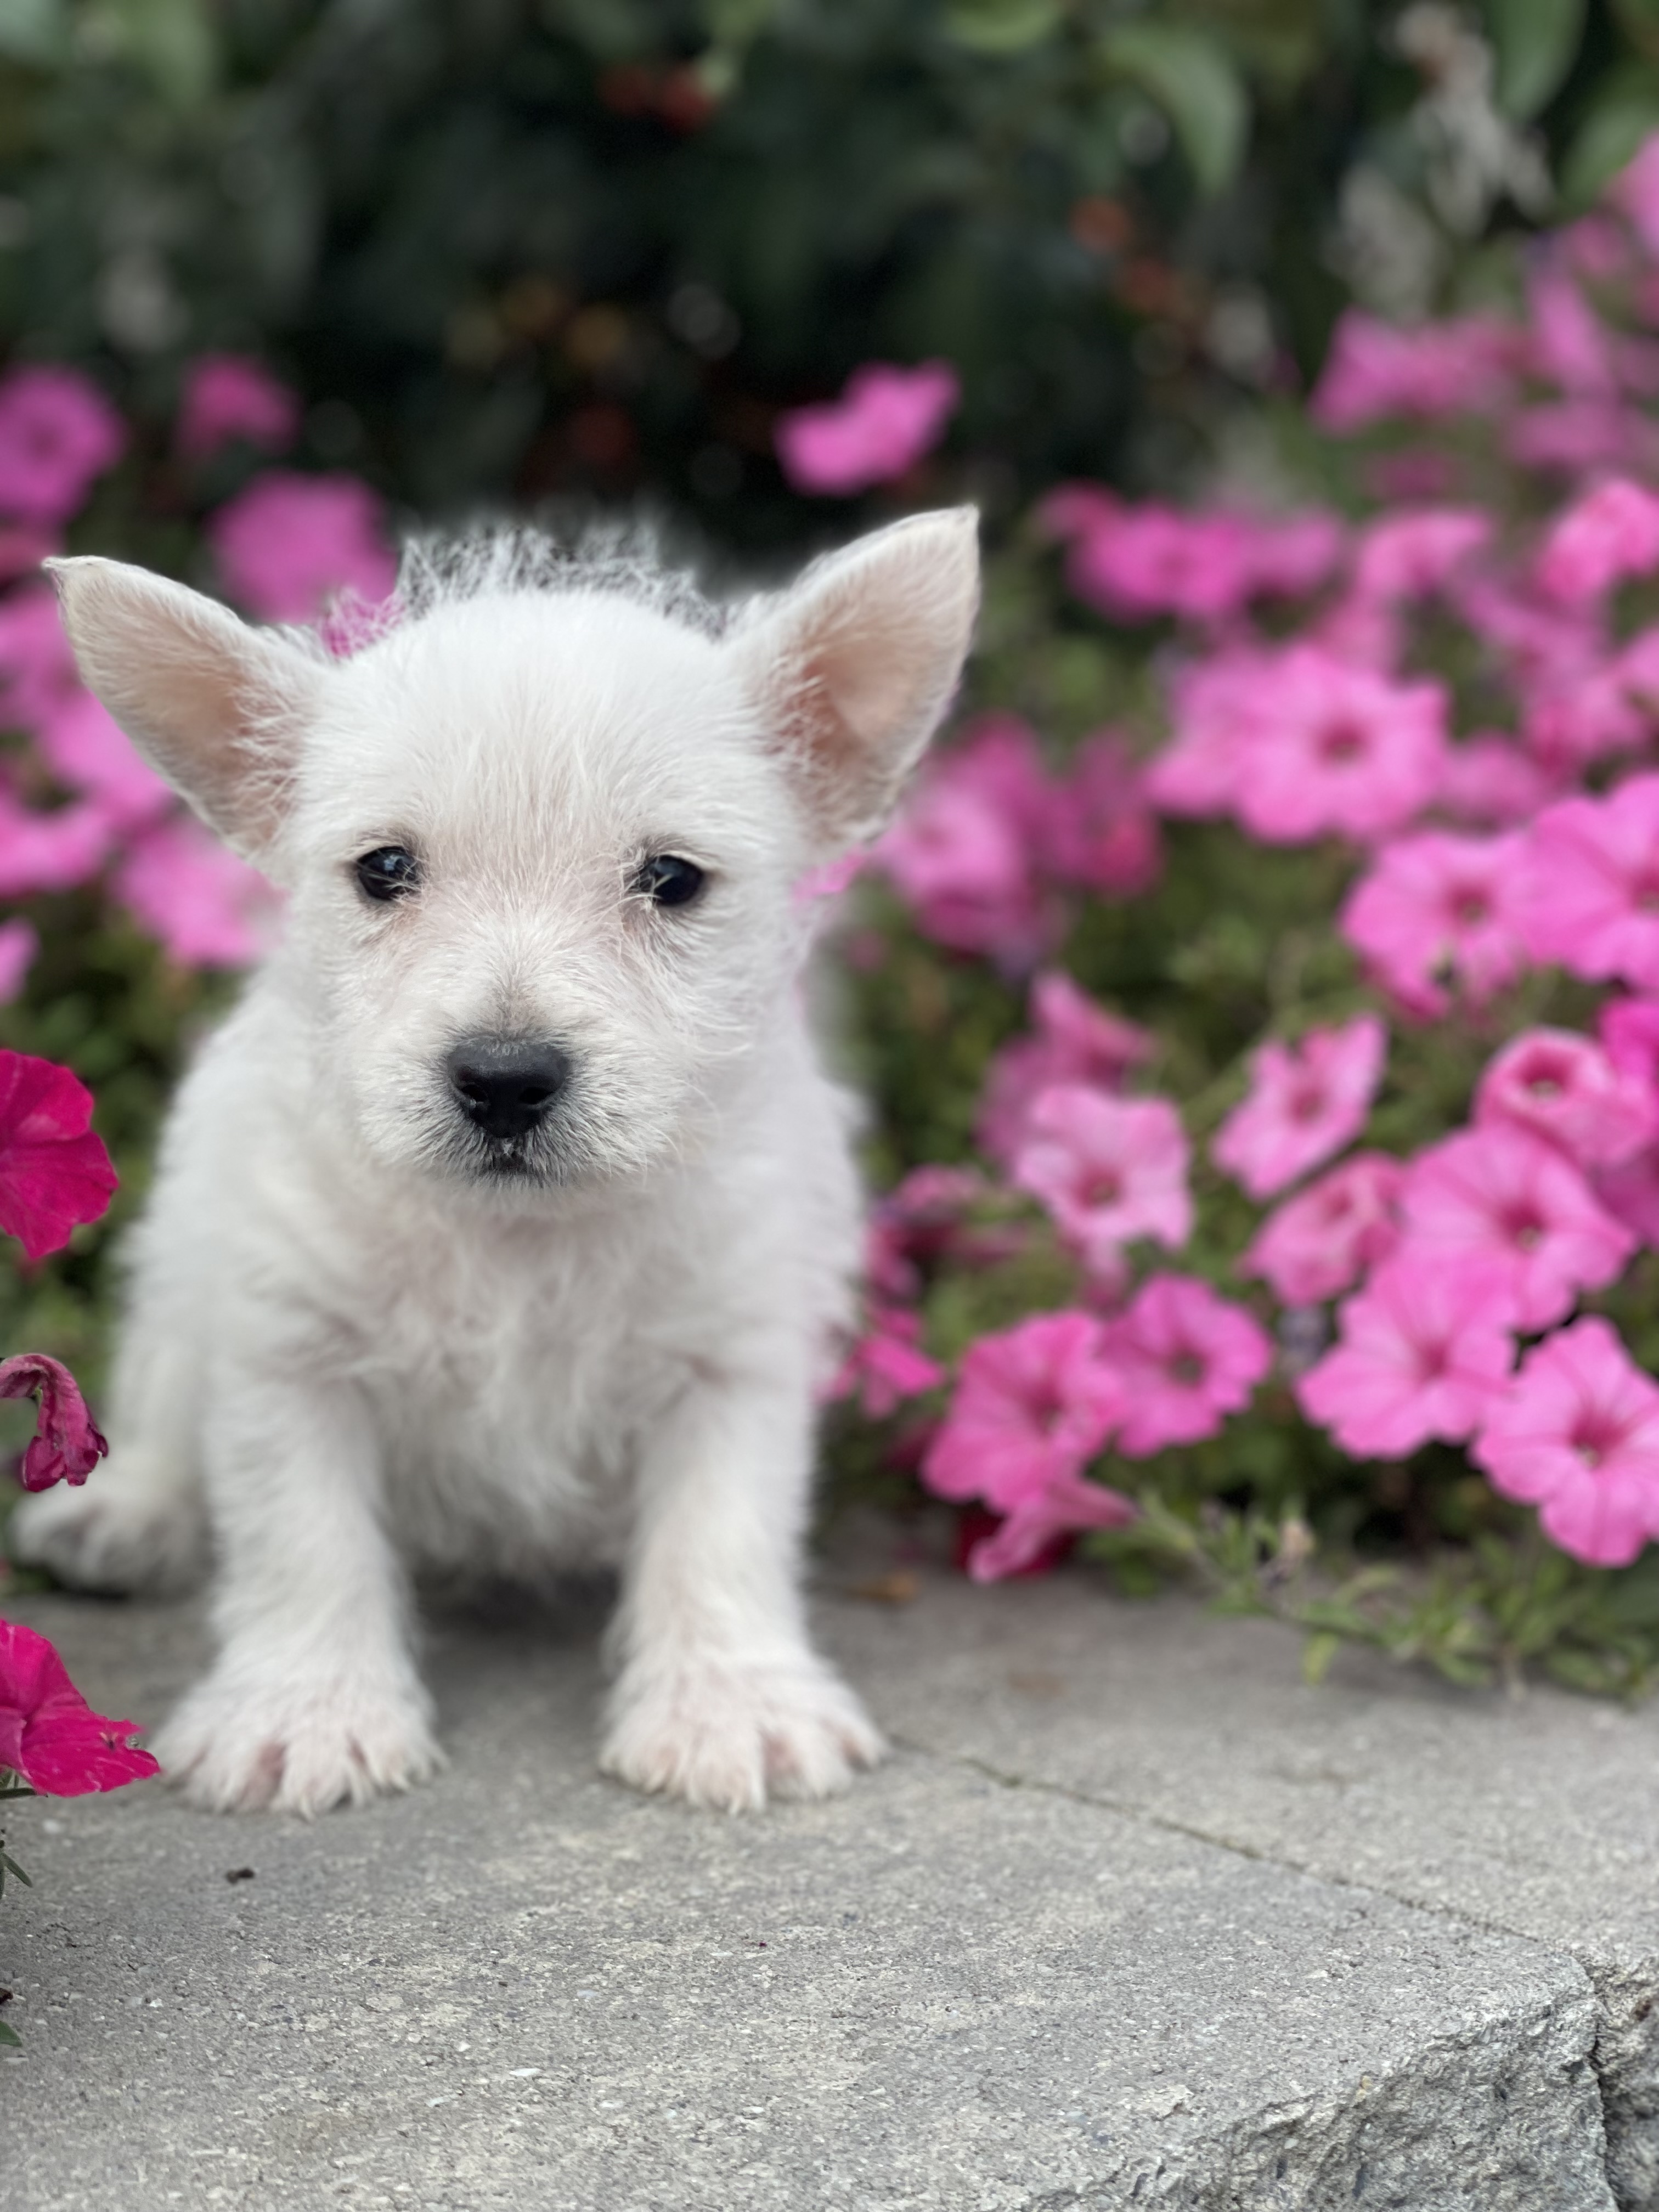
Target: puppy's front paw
(296,1746)
(113,1534)
(724,1736)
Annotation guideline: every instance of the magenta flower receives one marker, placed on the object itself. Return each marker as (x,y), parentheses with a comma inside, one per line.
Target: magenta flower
(1612,532)
(54,1172)
(1635,190)
(56,432)
(288,544)
(1073,1041)
(206,908)
(1214,705)
(1563,1087)
(89,753)
(1103,836)
(1187,1358)
(1065,1505)
(1591,896)
(1459,365)
(1503,1196)
(1423,1352)
(38,674)
(884,422)
(1318,1243)
(66,1445)
(1436,914)
(886,1365)
(227,396)
(1032,1407)
(1490,783)
(1306,1101)
(54,852)
(1408,556)
(48,1735)
(19,944)
(1108,1169)
(1629,1030)
(1335,750)
(1577,1434)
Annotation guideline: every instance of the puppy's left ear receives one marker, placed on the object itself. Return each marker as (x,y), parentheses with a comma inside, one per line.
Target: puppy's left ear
(854,665)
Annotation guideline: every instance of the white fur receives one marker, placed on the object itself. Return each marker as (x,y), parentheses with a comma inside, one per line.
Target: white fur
(347,1351)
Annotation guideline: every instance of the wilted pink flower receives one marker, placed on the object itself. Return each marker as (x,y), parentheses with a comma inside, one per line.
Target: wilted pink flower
(1407,556)
(1306,1101)
(1563,1087)
(56,432)
(18,946)
(1578,1435)
(1108,1169)
(1073,1041)
(1103,836)
(1456,366)
(288,543)
(66,1445)
(884,422)
(1187,1359)
(1065,1505)
(207,908)
(1590,899)
(228,395)
(1032,1405)
(86,750)
(1435,913)
(50,852)
(54,1173)
(887,1365)
(1611,533)
(48,1735)
(1423,1352)
(1316,1243)
(1500,1195)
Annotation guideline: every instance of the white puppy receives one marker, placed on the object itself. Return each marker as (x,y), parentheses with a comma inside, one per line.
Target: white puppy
(510,1219)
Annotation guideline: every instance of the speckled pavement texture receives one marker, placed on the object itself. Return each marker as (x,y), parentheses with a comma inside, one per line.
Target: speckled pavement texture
(1133,1918)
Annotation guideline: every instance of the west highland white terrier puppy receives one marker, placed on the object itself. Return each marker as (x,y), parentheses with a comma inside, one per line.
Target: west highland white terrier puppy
(509,1217)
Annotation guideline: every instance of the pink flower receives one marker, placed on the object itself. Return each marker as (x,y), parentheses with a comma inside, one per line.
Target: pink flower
(66,1445)
(54,1173)
(1073,1041)
(1187,1358)
(86,750)
(1563,1087)
(1489,782)
(37,676)
(1500,1195)
(884,422)
(1407,556)
(1032,1407)
(1424,1352)
(1335,749)
(1103,833)
(1435,913)
(1611,533)
(287,543)
(50,852)
(1108,1169)
(1137,561)
(1458,366)
(885,1366)
(1635,191)
(48,1736)
(227,395)
(1591,889)
(56,432)
(1569,344)
(1629,1030)
(19,944)
(1213,704)
(1305,1103)
(1578,1435)
(1066,1504)
(208,908)
(1317,1243)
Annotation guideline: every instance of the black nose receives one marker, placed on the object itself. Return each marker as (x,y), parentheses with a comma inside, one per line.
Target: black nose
(505,1085)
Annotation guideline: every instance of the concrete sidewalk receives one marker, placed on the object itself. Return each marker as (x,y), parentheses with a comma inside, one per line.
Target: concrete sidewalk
(1133,1918)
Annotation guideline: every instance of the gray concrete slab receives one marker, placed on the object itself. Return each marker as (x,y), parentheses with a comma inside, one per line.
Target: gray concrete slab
(525,1988)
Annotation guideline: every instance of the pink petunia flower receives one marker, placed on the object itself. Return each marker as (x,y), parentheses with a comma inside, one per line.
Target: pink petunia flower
(19,944)
(288,544)
(1569,344)
(1578,1435)
(1374,370)
(1102,833)
(1612,532)
(54,1172)
(1489,783)
(1316,1244)
(1032,1405)
(1423,1352)
(1108,1169)
(1338,749)
(1187,1359)
(1306,1101)
(1435,913)
(1073,1041)
(1065,1505)
(227,396)
(886,1365)
(1563,1087)
(88,751)
(884,422)
(1590,888)
(1407,556)
(56,432)
(1503,1196)
(66,1445)
(49,1736)
(51,851)
(1135,562)
(206,908)
(1213,703)
(38,674)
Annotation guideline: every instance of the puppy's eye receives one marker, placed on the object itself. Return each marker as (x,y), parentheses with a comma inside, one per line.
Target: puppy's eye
(667,880)
(388,873)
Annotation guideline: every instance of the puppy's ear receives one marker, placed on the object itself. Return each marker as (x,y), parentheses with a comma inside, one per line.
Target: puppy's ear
(215,706)
(854,665)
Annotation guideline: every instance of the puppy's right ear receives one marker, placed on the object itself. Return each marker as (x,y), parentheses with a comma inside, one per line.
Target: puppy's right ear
(215,706)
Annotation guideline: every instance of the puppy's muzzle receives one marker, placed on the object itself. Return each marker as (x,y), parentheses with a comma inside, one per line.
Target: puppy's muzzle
(507,1086)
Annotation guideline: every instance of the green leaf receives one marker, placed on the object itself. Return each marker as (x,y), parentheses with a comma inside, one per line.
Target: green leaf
(1001,26)
(1317,1654)
(1611,135)
(1192,78)
(9,2036)
(34,31)
(1536,42)
(172,42)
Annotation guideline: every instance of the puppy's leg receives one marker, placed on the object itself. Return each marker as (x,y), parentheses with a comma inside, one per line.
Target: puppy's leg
(720,1697)
(313,1700)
